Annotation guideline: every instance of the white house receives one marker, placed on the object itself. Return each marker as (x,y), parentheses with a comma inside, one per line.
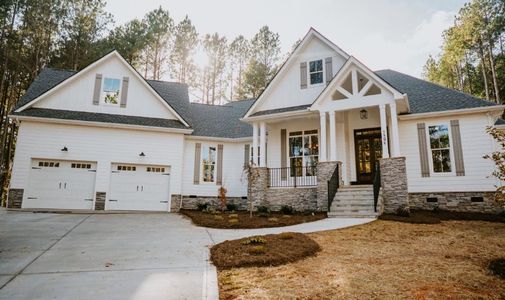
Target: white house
(106,138)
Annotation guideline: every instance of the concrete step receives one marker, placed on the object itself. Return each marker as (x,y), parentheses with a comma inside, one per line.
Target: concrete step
(347,214)
(353,196)
(352,205)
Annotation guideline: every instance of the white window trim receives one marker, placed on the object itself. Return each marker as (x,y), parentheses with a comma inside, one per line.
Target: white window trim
(102,94)
(323,70)
(430,152)
(202,168)
(288,157)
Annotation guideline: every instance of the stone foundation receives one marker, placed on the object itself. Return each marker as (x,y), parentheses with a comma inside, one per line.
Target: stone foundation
(394,184)
(15,198)
(457,201)
(324,172)
(100,201)
(190,202)
(300,198)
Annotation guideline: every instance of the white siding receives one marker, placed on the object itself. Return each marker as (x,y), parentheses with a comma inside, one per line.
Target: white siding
(475,142)
(78,94)
(287,91)
(233,163)
(103,145)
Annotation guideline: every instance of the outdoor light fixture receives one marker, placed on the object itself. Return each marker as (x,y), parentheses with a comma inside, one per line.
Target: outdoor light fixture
(363,114)
(64,149)
(142,154)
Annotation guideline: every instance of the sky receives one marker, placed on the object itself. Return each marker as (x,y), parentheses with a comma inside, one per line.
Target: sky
(383,34)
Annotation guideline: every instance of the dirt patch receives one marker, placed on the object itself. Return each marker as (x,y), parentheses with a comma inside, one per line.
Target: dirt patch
(436,216)
(383,260)
(242,220)
(266,250)
(497,267)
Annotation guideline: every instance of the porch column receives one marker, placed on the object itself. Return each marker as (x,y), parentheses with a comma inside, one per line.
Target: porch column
(384,131)
(255,144)
(263,141)
(394,130)
(322,139)
(333,137)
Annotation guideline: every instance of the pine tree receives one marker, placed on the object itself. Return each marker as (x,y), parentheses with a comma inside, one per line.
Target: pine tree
(215,85)
(181,60)
(239,53)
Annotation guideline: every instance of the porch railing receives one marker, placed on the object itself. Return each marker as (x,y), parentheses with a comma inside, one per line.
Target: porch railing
(333,185)
(292,177)
(376,185)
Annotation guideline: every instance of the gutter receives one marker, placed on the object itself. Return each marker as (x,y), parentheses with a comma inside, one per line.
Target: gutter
(219,139)
(277,115)
(464,111)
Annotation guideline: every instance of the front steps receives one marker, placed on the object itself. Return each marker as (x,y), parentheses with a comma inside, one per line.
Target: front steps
(354,201)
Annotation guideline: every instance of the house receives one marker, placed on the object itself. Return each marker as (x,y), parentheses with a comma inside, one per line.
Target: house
(327,133)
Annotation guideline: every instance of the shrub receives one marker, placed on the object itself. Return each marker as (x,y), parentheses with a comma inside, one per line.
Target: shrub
(218,217)
(263,211)
(202,206)
(287,210)
(231,207)
(286,236)
(497,267)
(257,250)
(308,212)
(273,219)
(403,211)
(233,221)
(255,240)
(233,216)
(210,210)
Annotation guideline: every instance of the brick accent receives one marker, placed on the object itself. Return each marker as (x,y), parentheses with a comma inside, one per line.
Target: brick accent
(191,202)
(457,201)
(324,172)
(394,183)
(15,198)
(100,201)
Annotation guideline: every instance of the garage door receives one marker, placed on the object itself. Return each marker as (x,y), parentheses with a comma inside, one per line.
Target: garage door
(61,184)
(139,187)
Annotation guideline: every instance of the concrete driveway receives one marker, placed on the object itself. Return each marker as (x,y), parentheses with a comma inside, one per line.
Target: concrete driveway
(117,256)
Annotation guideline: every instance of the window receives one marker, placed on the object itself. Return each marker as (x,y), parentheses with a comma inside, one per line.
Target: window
(111,88)
(127,168)
(316,71)
(49,164)
(257,162)
(208,163)
(156,169)
(440,148)
(80,166)
(303,152)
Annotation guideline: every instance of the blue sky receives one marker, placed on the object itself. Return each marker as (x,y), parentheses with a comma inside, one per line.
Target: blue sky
(383,34)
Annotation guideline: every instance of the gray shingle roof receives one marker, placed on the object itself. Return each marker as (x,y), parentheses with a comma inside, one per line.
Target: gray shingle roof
(500,121)
(426,97)
(281,110)
(99,117)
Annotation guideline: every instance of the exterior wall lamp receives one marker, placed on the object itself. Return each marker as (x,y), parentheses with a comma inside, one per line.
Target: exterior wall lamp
(363,114)
(64,149)
(142,154)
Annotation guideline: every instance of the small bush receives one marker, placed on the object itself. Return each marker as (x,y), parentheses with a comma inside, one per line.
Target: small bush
(497,267)
(257,250)
(218,217)
(403,211)
(286,236)
(263,211)
(210,210)
(287,210)
(255,240)
(202,206)
(274,219)
(233,216)
(233,221)
(286,216)
(231,207)
(308,212)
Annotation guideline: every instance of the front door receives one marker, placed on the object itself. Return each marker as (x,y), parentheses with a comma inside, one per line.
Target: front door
(368,144)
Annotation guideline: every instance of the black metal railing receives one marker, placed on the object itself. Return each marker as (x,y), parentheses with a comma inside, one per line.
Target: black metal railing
(376,185)
(333,185)
(292,177)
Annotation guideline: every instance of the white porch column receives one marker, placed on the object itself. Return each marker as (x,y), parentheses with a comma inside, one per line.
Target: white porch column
(322,139)
(394,130)
(384,131)
(263,142)
(255,144)
(333,137)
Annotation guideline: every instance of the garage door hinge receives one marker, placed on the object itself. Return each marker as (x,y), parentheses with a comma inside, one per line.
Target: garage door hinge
(36,168)
(168,174)
(88,199)
(91,170)
(163,201)
(112,200)
(115,172)
(32,198)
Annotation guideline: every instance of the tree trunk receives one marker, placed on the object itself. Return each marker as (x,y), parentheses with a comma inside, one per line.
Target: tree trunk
(493,72)
(483,67)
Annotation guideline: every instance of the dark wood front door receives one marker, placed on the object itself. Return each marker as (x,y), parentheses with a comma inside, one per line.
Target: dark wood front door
(368,144)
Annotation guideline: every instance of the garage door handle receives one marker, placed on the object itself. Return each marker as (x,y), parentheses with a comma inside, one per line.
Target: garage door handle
(65,186)
(112,200)
(95,171)
(60,185)
(35,168)
(163,201)
(32,198)
(88,199)
(167,174)
(137,188)
(142,188)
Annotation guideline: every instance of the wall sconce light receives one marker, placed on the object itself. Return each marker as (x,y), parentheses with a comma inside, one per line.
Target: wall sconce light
(363,114)
(64,149)
(142,154)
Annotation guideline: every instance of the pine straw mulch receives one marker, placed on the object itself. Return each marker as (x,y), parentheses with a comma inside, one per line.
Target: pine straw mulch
(436,216)
(384,260)
(242,220)
(272,250)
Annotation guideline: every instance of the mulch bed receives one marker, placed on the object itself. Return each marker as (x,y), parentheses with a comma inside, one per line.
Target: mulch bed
(244,221)
(272,250)
(497,267)
(436,216)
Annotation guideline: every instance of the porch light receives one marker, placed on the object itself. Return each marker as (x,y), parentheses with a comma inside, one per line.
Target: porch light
(142,154)
(363,114)
(64,149)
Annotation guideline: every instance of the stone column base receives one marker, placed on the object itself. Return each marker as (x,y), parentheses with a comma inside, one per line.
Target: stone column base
(100,201)
(257,186)
(325,170)
(395,192)
(15,198)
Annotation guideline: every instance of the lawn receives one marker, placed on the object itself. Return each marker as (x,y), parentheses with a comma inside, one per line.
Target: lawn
(384,260)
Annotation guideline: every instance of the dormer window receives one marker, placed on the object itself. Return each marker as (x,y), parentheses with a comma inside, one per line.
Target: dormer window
(111,89)
(316,72)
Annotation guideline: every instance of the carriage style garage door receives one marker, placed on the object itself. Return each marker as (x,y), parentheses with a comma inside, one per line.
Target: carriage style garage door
(60,184)
(139,187)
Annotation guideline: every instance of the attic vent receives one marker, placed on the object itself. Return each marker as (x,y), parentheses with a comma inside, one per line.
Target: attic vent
(431,199)
(477,199)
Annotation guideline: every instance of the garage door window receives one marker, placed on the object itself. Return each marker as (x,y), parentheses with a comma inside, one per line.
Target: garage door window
(208,163)
(126,168)
(80,166)
(156,169)
(49,164)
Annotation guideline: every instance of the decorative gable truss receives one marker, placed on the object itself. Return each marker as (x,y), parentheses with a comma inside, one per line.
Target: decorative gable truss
(355,84)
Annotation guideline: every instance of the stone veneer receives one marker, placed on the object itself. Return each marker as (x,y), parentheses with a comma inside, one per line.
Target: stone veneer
(457,201)
(324,172)
(257,189)
(190,202)
(100,201)
(394,183)
(15,198)
(300,198)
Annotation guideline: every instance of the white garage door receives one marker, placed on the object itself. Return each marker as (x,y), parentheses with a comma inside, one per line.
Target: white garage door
(61,184)
(139,187)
